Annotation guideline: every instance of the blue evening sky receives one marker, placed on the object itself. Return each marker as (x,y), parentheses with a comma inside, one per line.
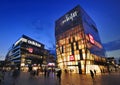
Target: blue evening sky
(36,19)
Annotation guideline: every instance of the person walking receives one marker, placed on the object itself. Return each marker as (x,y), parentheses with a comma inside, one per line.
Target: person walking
(92,74)
(95,72)
(59,72)
(45,72)
(48,72)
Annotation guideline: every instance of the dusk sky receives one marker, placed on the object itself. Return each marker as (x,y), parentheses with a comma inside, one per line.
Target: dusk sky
(36,19)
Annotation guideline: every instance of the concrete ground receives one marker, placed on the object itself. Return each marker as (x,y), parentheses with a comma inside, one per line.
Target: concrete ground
(66,79)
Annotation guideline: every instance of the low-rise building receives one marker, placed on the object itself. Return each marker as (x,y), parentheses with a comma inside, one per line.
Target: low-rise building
(111,64)
(26,52)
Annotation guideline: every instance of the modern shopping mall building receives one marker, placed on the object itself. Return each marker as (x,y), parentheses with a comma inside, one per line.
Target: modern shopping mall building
(78,45)
(26,52)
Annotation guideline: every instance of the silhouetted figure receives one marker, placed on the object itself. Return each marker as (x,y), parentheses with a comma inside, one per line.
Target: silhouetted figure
(59,72)
(37,72)
(48,73)
(92,74)
(65,70)
(94,71)
(30,68)
(109,71)
(34,73)
(45,72)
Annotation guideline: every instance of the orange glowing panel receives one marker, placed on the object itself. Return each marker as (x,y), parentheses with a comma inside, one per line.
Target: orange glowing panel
(72,58)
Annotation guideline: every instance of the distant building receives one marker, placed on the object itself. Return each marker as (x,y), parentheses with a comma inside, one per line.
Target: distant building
(51,61)
(78,44)
(51,57)
(27,52)
(2,64)
(111,64)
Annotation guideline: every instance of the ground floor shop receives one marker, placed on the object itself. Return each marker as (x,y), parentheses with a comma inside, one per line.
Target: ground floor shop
(84,66)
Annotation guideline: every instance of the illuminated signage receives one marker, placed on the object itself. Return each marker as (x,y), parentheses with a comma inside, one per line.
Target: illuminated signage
(98,44)
(91,39)
(34,43)
(28,41)
(30,50)
(69,17)
(51,64)
(72,58)
(94,42)
(21,39)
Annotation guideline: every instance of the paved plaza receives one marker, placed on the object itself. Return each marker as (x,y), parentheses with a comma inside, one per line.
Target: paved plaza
(67,79)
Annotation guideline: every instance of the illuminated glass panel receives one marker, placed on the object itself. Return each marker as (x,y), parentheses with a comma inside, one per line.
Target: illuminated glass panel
(92,67)
(82,62)
(88,62)
(84,55)
(88,55)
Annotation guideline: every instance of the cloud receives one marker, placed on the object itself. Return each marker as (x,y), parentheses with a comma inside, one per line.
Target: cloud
(113,45)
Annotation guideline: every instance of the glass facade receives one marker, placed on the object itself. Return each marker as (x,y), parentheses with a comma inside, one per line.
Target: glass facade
(78,45)
(26,52)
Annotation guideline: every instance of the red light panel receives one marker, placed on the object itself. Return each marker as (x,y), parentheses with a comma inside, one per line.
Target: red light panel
(72,58)
(91,39)
(30,50)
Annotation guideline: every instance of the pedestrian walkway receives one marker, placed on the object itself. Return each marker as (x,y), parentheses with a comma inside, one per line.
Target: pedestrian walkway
(66,79)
